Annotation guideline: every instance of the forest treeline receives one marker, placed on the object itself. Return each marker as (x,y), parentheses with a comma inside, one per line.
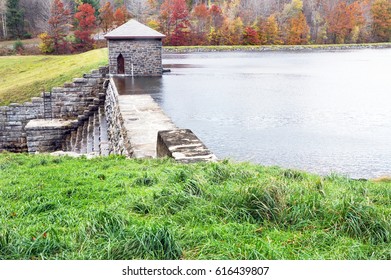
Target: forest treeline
(203,22)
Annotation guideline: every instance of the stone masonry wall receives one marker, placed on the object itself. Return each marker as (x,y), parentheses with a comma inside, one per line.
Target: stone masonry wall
(145,55)
(47,135)
(13,119)
(69,102)
(117,133)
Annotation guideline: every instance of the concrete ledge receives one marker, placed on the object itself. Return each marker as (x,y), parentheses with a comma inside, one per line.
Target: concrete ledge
(53,124)
(182,145)
(46,135)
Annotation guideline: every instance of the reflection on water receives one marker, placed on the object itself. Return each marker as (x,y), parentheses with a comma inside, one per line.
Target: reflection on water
(129,85)
(318,111)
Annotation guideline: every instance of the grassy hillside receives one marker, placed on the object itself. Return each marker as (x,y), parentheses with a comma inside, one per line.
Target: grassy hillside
(113,208)
(23,77)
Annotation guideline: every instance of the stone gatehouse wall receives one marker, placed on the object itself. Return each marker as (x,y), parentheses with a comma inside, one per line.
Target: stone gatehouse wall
(119,141)
(72,101)
(145,55)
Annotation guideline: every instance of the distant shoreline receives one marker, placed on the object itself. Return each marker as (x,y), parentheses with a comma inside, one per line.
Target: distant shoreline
(266,48)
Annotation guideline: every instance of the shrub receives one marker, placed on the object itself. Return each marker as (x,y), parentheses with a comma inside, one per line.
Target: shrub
(18,46)
(27,35)
(46,45)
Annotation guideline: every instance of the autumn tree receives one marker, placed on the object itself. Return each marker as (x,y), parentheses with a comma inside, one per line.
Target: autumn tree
(250,36)
(200,24)
(272,31)
(106,17)
(216,22)
(357,21)
(231,32)
(86,25)
(181,23)
(262,30)
(298,30)
(294,24)
(59,26)
(381,27)
(216,16)
(94,3)
(121,16)
(174,16)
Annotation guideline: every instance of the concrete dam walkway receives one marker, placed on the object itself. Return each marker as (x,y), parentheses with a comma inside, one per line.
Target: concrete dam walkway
(146,129)
(143,119)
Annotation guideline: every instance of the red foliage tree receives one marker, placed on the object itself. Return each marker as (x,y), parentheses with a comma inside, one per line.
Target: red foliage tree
(86,25)
(174,16)
(59,27)
(106,17)
(251,36)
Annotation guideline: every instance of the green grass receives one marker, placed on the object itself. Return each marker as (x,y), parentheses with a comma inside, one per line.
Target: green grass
(114,208)
(23,77)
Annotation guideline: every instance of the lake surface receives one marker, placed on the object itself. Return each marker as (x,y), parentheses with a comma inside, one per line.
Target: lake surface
(321,112)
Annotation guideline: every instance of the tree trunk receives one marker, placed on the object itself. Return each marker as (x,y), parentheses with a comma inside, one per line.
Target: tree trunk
(4,25)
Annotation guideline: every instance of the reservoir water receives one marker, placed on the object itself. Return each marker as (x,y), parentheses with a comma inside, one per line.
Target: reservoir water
(323,112)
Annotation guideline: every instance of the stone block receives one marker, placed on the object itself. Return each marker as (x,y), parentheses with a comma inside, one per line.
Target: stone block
(182,145)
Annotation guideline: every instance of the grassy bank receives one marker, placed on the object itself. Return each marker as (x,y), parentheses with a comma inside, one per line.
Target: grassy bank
(23,77)
(113,208)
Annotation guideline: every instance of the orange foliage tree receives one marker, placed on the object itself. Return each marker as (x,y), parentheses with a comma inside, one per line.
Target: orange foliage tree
(298,30)
(200,25)
(272,31)
(381,14)
(106,17)
(343,19)
(121,16)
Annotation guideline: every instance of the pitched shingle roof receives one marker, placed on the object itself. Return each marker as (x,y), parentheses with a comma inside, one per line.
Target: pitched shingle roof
(134,30)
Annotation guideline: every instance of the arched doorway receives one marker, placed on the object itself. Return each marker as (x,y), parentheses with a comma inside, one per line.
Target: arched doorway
(120,64)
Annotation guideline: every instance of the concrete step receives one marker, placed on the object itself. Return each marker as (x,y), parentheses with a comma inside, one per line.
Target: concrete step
(79,139)
(67,144)
(90,137)
(83,146)
(90,134)
(96,133)
(104,146)
(73,140)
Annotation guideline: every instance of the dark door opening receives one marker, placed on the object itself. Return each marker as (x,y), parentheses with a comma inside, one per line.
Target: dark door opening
(120,64)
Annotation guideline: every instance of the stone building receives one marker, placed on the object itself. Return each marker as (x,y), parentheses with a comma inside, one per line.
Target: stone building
(135,50)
